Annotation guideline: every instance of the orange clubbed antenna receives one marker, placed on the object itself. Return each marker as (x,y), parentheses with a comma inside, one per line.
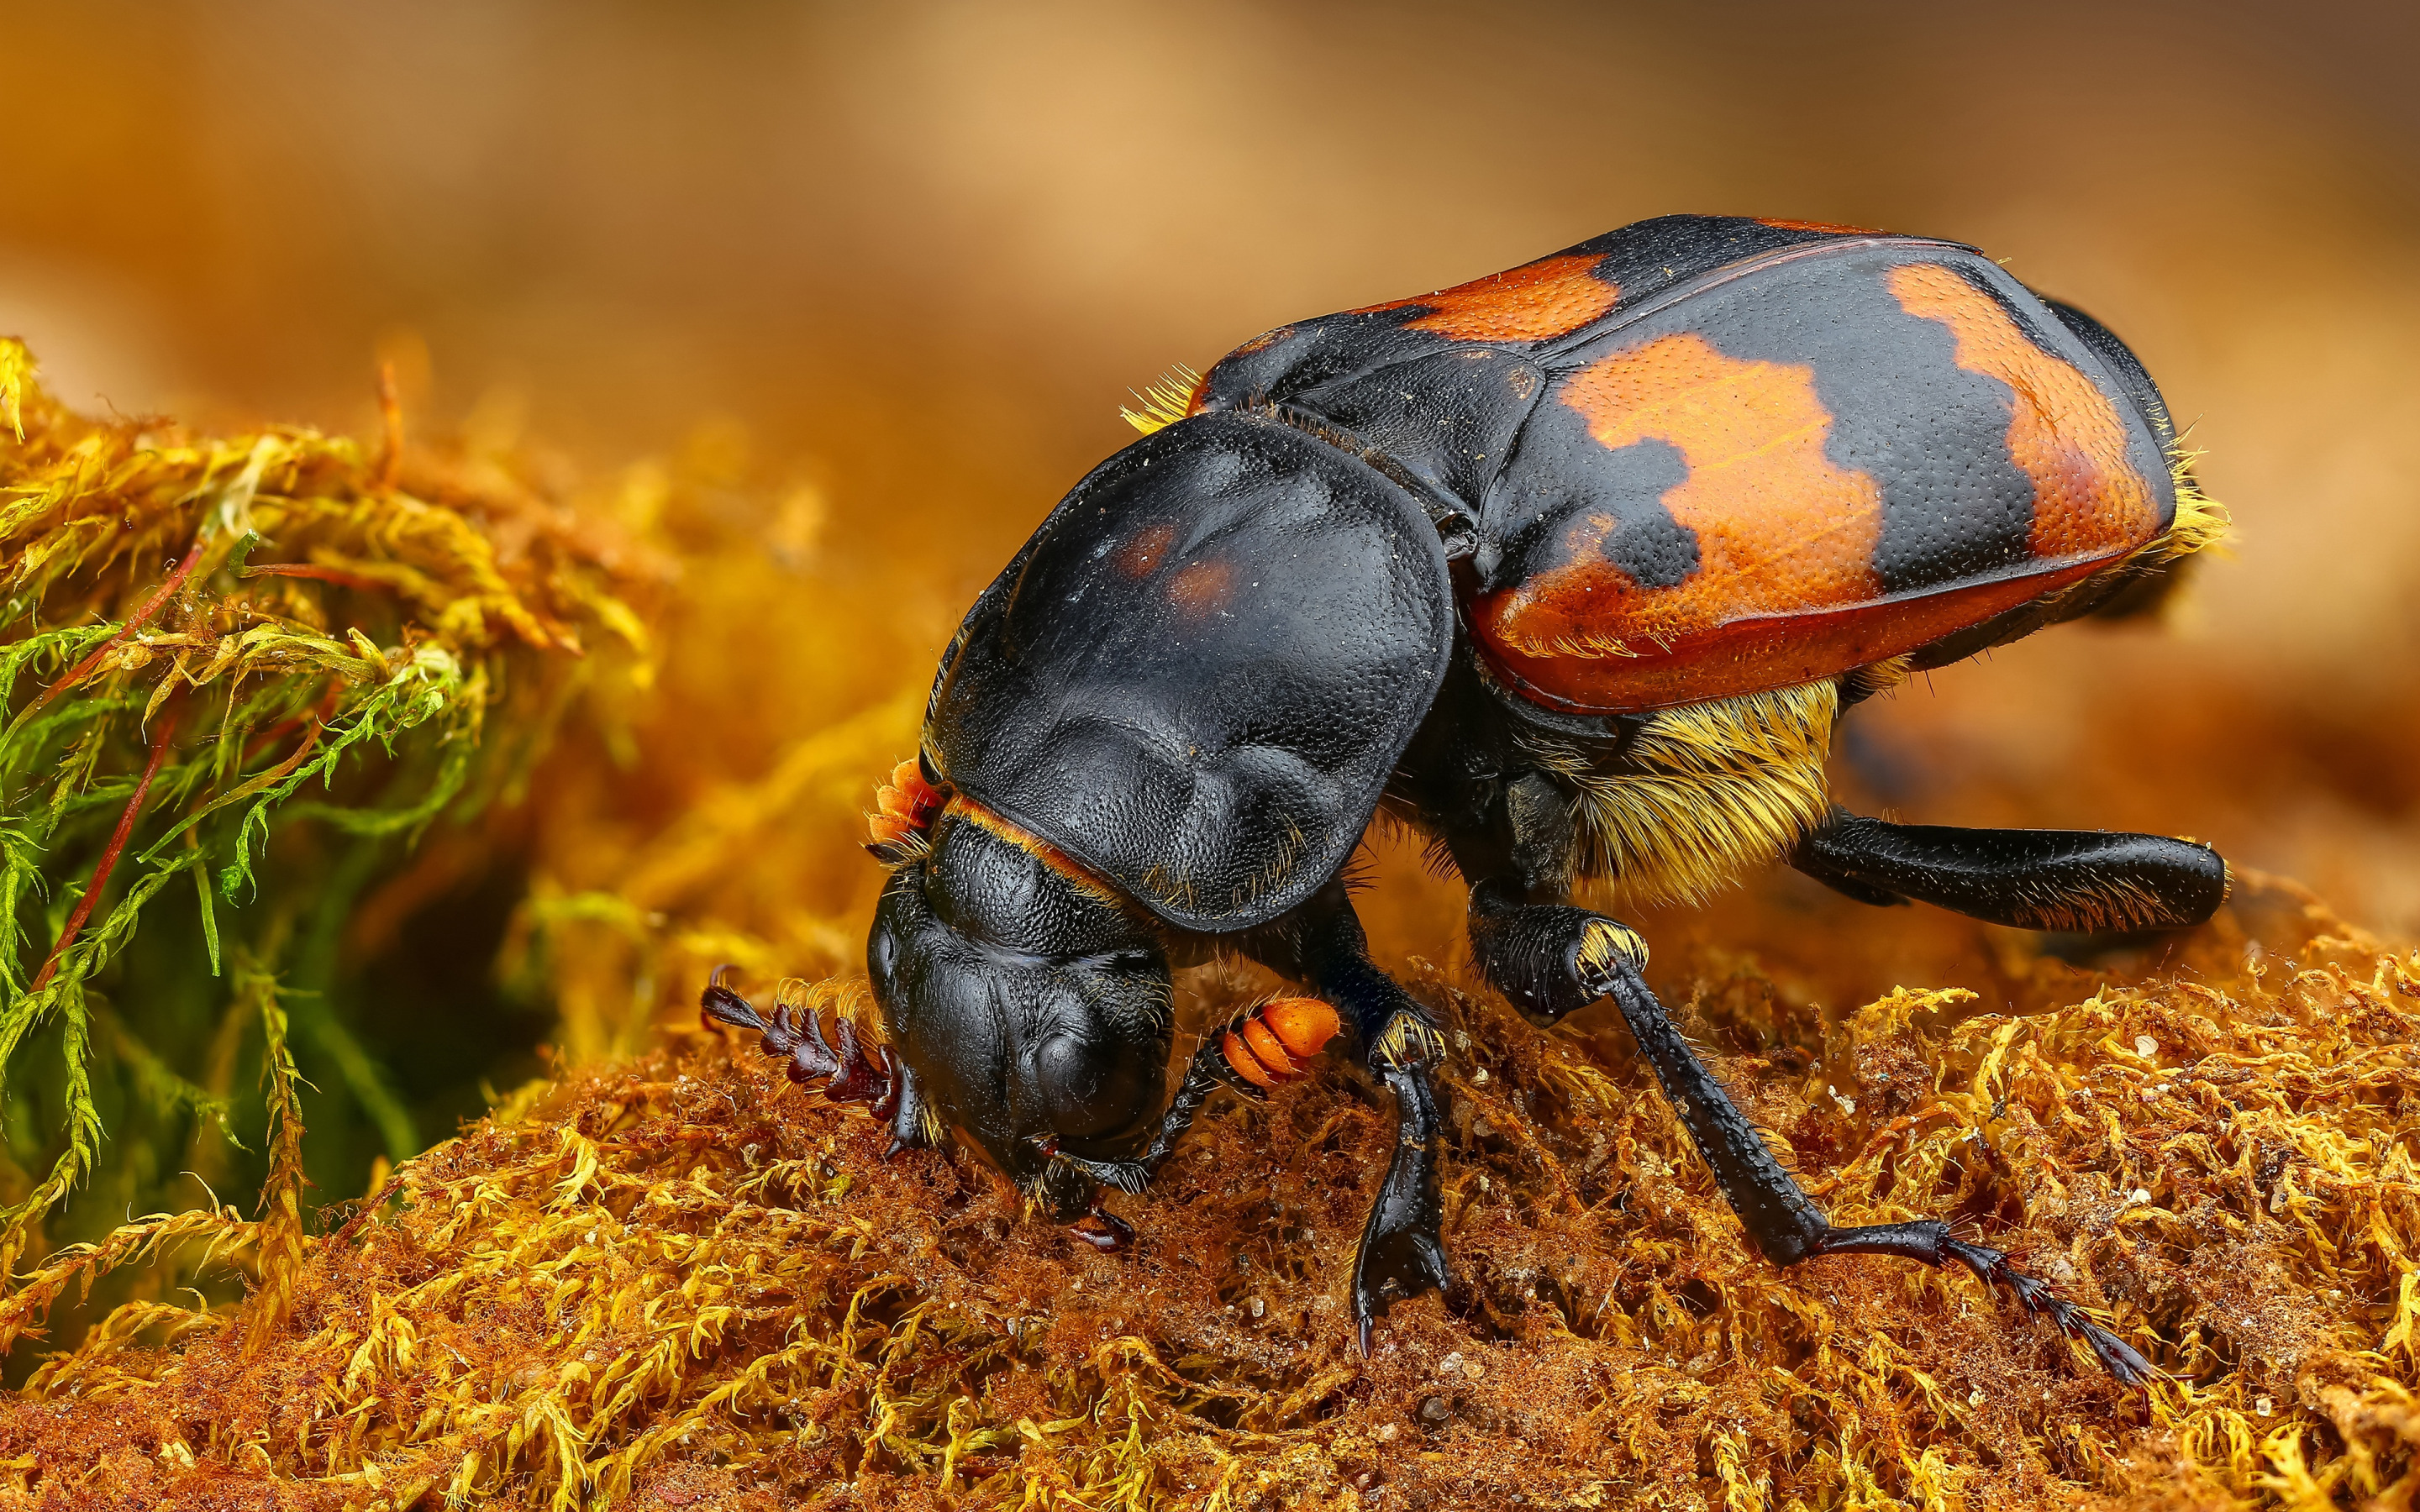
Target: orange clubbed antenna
(1270,1044)
(904,809)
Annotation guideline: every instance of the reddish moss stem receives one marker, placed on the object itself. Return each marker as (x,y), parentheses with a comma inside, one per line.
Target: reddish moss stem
(116,847)
(140,618)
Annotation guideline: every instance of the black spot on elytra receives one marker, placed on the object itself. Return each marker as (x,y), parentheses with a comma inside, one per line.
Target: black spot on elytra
(1646,257)
(1934,437)
(1561,476)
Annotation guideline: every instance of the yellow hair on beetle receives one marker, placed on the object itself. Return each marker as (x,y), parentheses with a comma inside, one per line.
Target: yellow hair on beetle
(1164,401)
(1705,793)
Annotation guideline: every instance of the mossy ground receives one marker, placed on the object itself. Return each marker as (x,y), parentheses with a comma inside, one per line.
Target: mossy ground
(684,1282)
(666,1277)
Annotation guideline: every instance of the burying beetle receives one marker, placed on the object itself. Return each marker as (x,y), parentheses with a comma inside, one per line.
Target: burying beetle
(1574,568)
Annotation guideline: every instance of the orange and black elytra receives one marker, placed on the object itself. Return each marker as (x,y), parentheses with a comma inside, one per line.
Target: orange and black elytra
(1575,566)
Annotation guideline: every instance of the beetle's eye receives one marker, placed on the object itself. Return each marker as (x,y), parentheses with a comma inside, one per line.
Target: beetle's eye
(1087,1089)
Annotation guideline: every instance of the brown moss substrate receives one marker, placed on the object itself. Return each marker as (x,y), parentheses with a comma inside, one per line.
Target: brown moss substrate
(684,1282)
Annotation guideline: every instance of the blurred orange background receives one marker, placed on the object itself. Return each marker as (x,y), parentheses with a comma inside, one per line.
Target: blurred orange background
(903,263)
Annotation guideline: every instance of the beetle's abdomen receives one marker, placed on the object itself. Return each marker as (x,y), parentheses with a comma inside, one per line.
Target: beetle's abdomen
(1806,463)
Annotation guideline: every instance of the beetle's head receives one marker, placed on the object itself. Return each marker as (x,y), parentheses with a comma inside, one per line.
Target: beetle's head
(1030,1001)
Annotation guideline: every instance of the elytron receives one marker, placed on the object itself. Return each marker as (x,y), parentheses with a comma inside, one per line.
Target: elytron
(1574,568)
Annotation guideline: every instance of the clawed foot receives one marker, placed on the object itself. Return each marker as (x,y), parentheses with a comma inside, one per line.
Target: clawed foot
(1990,1266)
(1929,1240)
(849,1076)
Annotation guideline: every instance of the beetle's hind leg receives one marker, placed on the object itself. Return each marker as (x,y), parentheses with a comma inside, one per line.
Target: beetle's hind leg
(2083,881)
(1785,1224)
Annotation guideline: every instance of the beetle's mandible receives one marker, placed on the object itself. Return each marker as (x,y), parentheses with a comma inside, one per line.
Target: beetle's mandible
(1574,568)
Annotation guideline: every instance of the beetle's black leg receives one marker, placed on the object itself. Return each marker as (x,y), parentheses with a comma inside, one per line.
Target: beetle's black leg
(914,1125)
(2085,881)
(1402,1254)
(1785,1224)
(1929,1240)
(1548,959)
(1206,1073)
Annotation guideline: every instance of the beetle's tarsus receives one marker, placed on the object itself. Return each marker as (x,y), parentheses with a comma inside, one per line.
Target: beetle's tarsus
(1785,1224)
(847,1073)
(1929,1240)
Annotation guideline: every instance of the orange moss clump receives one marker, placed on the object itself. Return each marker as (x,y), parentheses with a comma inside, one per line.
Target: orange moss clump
(668,1277)
(684,1283)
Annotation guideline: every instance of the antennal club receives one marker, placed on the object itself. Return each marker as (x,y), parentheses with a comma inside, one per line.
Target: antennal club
(847,1073)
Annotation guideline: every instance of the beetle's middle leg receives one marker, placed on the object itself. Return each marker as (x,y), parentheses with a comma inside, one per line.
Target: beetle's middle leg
(1785,1224)
(1546,956)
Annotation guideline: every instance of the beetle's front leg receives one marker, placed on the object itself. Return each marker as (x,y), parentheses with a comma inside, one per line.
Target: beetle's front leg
(1785,1224)
(1402,1254)
(1402,1250)
(1206,1073)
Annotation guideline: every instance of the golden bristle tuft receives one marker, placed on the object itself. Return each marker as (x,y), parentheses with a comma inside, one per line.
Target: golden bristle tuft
(1705,793)
(1164,401)
(1606,942)
(2202,523)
